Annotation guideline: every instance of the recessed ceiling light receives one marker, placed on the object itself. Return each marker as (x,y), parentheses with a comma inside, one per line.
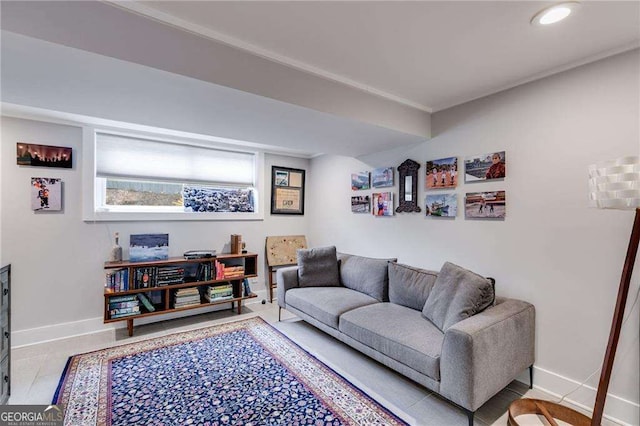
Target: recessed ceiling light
(555,13)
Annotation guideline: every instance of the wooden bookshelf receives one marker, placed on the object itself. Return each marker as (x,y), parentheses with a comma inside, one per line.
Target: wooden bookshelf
(123,280)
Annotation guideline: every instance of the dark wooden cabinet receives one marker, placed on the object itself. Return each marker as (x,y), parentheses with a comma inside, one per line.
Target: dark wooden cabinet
(5,337)
(127,284)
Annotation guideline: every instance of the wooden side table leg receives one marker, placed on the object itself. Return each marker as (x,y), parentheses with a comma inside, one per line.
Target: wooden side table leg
(130,327)
(239,307)
(270,284)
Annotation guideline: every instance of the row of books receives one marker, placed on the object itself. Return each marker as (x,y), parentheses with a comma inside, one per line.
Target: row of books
(154,276)
(224,272)
(186,297)
(218,293)
(124,306)
(117,280)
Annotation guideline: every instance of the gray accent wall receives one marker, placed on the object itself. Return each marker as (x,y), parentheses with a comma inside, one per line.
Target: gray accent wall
(552,249)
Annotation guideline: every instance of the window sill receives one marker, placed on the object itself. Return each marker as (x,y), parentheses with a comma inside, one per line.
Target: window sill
(112,216)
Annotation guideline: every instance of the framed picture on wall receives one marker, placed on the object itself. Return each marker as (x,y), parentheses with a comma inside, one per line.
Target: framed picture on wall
(483,167)
(46,194)
(28,154)
(287,190)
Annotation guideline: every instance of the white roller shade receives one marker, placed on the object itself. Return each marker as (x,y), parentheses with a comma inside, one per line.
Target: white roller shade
(143,159)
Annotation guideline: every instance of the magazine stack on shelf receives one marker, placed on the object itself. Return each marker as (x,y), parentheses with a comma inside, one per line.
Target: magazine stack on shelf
(123,306)
(220,292)
(186,297)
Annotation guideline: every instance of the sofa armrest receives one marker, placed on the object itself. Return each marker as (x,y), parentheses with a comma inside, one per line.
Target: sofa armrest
(484,353)
(287,278)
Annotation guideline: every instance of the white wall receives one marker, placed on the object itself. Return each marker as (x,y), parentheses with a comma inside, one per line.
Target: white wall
(57,258)
(551,250)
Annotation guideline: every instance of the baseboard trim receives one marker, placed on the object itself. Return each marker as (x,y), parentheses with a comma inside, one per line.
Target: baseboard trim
(617,409)
(49,333)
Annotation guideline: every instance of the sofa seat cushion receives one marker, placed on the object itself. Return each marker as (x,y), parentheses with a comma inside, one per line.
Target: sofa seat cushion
(398,332)
(326,304)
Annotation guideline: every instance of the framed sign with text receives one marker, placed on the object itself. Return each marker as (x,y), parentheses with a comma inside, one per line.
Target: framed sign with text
(287,190)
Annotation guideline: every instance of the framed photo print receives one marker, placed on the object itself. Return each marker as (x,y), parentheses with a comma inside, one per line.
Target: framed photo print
(287,190)
(485,205)
(382,203)
(442,173)
(361,204)
(442,205)
(485,167)
(360,180)
(46,194)
(382,177)
(28,154)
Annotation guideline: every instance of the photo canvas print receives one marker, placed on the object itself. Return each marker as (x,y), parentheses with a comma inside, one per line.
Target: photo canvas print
(46,194)
(485,167)
(382,203)
(382,177)
(43,155)
(361,204)
(485,205)
(442,205)
(442,173)
(145,247)
(359,181)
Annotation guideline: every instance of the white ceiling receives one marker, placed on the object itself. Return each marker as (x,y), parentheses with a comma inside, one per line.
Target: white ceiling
(431,55)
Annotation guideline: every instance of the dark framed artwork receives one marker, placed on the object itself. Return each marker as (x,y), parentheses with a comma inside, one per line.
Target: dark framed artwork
(28,154)
(287,190)
(408,197)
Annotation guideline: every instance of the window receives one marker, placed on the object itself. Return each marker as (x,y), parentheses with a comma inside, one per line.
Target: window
(150,178)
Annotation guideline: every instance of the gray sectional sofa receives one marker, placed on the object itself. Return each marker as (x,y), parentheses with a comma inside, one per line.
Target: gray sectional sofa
(444,330)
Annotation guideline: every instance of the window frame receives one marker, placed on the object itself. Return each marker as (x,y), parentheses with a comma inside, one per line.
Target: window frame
(92,186)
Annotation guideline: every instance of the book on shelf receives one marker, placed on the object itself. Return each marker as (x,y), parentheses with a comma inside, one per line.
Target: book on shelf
(120,311)
(124,298)
(126,314)
(117,280)
(246,287)
(146,302)
(123,304)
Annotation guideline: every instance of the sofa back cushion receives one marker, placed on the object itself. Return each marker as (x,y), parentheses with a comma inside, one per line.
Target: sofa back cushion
(409,286)
(457,294)
(366,275)
(318,267)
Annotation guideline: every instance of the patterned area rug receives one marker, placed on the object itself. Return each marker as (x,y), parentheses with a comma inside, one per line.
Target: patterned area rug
(240,373)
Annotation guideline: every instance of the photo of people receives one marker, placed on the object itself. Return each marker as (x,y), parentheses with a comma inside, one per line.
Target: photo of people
(442,173)
(382,203)
(442,205)
(359,181)
(382,177)
(46,194)
(485,205)
(361,204)
(485,167)
(43,155)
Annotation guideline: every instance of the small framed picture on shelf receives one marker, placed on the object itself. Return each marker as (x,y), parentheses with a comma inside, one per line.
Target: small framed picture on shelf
(287,190)
(145,247)
(360,181)
(485,167)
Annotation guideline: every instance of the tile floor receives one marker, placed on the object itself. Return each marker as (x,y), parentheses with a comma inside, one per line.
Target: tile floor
(36,369)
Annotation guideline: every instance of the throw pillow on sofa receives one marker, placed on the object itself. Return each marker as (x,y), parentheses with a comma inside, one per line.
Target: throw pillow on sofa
(366,275)
(409,286)
(318,267)
(456,295)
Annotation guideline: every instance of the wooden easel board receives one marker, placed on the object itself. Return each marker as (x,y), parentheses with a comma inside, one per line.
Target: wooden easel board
(281,250)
